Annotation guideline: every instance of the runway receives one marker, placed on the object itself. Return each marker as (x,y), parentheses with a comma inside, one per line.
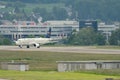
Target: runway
(64,49)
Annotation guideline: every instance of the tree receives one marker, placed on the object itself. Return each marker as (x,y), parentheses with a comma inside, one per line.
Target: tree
(17,10)
(19,4)
(40,12)
(100,39)
(106,10)
(4,41)
(59,13)
(86,36)
(115,37)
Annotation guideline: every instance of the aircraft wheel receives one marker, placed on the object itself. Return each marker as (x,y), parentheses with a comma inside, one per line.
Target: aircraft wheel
(28,46)
(38,47)
(20,46)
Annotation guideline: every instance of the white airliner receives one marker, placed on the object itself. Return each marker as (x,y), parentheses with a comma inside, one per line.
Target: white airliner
(36,42)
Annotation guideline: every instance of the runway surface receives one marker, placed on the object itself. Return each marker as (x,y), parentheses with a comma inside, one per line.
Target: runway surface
(64,49)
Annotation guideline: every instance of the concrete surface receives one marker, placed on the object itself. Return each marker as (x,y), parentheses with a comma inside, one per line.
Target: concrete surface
(64,49)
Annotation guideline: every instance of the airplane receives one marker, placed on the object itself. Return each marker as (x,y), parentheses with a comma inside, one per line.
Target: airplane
(36,42)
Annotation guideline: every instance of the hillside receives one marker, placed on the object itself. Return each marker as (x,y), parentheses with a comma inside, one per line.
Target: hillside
(29,6)
(105,10)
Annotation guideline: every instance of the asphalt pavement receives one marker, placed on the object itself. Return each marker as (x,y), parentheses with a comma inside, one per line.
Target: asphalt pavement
(72,49)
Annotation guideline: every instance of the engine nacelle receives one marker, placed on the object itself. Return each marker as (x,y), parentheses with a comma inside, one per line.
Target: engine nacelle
(37,45)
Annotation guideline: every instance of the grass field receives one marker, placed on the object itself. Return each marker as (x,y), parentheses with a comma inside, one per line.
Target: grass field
(46,61)
(43,66)
(51,75)
(108,47)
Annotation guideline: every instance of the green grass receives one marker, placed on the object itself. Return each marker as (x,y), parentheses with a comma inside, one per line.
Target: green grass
(46,61)
(51,75)
(43,66)
(108,47)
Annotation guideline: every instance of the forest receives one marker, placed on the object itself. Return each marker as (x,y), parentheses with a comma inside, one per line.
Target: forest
(103,10)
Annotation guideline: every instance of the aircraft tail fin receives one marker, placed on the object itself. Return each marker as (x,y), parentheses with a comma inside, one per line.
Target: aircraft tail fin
(48,33)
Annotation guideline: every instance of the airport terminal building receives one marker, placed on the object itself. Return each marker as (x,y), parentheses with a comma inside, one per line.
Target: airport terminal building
(17,31)
(23,29)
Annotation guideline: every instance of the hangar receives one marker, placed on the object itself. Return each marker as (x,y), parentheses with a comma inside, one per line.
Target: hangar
(64,66)
(19,66)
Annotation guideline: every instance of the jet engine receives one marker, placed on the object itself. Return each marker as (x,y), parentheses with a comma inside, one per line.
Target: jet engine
(37,45)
